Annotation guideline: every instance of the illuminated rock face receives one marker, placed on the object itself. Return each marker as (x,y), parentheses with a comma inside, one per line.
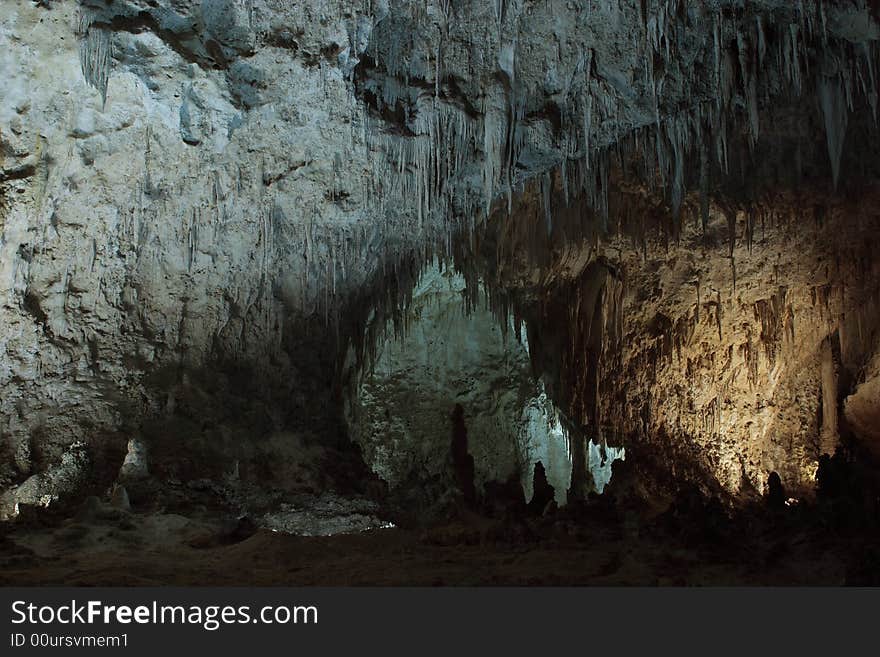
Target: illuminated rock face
(723,364)
(449,354)
(400,412)
(203,201)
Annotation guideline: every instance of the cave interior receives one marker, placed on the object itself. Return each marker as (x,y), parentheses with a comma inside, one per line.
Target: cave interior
(440,292)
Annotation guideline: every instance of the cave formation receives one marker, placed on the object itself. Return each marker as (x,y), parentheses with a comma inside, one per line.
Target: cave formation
(290,290)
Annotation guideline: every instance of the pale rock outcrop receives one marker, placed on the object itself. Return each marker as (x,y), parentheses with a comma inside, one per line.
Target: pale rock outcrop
(400,410)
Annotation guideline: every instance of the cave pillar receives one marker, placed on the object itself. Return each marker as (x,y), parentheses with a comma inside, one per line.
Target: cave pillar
(829,372)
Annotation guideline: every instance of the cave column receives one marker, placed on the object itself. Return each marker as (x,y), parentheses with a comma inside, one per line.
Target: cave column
(829,372)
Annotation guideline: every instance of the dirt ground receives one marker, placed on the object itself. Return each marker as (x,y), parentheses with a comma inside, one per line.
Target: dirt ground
(592,547)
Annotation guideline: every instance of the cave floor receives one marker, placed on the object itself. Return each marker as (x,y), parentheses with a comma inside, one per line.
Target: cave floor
(131,549)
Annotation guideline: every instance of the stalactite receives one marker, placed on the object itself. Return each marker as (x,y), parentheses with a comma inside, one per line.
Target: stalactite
(730,214)
(439,144)
(733,273)
(832,101)
(704,185)
(547,189)
(95,53)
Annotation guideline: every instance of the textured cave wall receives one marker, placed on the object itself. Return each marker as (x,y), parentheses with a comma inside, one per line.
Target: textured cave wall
(862,407)
(403,407)
(201,200)
(736,350)
(164,252)
(451,353)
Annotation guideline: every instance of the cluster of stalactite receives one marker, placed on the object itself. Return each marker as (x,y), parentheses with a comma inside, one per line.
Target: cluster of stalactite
(761,56)
(638,186)
(612,368)
(424,138)
(447,183)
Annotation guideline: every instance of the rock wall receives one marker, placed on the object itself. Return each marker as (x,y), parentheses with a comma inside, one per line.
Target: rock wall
(169,238)
(201,201)
(449,354)
(731,352)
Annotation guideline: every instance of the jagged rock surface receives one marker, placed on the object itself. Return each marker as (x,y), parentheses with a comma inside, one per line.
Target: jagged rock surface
(201,202)
(725,365)
(400,411)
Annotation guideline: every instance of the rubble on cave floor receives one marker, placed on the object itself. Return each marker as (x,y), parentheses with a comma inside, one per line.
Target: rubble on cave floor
(326,515)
